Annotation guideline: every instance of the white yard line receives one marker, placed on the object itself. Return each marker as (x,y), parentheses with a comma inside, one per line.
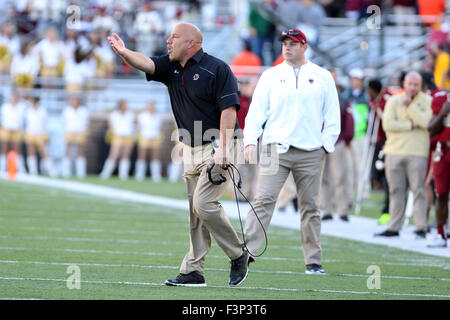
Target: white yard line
(432,264)
(132,283)
(358,229)
(278,272)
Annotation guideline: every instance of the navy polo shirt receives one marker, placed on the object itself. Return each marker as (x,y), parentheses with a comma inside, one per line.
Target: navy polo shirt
(199,92)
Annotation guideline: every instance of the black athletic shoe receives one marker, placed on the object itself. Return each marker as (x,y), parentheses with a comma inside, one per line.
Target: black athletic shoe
(239,269)
(344,218)
(387,233)
(250,260)
(193,279)
(327,216)
(420,234)
(314,269)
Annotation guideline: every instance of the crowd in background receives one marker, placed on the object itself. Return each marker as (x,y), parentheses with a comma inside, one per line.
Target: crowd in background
(68,38)
(267,18)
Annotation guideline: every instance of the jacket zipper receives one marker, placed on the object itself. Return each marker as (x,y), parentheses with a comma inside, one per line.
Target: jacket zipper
(296,77)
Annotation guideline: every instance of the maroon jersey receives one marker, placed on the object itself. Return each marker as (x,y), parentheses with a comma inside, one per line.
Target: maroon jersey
(380,104)
(439,98)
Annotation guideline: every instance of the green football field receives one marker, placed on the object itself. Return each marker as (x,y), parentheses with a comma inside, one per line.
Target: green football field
(126,250)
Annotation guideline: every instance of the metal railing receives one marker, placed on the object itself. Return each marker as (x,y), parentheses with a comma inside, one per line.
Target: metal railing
(102,95)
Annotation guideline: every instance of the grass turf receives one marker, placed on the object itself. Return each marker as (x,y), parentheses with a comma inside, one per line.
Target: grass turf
(126,250)
(370,207)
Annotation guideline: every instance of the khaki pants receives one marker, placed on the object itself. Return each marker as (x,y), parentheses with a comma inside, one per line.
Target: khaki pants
(335,181)
(306,168)
(403,171)
(288,192)
(249,181)
(206,215)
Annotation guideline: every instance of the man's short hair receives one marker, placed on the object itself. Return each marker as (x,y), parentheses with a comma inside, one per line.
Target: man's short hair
(376,85)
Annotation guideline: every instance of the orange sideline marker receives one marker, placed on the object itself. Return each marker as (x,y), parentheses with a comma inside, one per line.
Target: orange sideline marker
(11,165)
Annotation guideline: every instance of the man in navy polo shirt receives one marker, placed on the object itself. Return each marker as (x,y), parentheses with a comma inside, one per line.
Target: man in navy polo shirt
(204,98)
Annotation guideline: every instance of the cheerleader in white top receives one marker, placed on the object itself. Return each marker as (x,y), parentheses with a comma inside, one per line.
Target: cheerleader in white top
(36,137)
(12,116)
(76,121)
(121,126)
(9,45)
(149,140)
(51,56)
(25,66)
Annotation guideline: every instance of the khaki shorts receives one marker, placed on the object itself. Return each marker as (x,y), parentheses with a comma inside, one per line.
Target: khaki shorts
(74,87)
(50,72)
(149,143)
(24,80)
(36,139)
(5,57)
(10,135)
(79,138)
(124,141)
(104,68)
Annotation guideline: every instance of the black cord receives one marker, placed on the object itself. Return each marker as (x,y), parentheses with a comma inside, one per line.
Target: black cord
(238,187)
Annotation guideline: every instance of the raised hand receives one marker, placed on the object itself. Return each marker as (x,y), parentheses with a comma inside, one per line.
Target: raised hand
(117,44)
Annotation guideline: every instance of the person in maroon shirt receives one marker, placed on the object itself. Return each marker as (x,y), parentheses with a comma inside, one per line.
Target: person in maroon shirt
(403,10)
(335,177)
(439,97)
(378,96)
(439,129)
(353,8)
(357,9)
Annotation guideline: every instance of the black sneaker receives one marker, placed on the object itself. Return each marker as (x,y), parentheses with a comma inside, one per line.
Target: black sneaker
(239,269)
(387,233)
(314,269)
(344,218)
(250,260)
(193,279)
(327,216)
(420,234)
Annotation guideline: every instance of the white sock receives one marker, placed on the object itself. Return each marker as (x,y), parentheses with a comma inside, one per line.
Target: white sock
(155,168)
(124,168)
(139,171)
(80,166)
(108,169)
(49,167)
(66,167)
(3,163)
(32,165)
(174,171)
(21,164)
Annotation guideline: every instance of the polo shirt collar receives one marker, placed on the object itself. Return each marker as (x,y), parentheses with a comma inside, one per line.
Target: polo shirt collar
(286,65)
(198,56)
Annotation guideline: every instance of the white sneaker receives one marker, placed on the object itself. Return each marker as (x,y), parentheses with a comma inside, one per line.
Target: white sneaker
(439,242)
(314,269)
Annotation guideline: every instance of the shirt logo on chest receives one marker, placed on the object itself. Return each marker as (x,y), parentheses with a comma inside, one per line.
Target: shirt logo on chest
(176,71)
(195,77)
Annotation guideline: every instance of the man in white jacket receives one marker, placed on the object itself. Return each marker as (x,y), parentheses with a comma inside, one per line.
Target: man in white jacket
(298,103)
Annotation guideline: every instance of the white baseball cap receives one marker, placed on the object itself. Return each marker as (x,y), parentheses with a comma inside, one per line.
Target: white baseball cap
(356,73)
